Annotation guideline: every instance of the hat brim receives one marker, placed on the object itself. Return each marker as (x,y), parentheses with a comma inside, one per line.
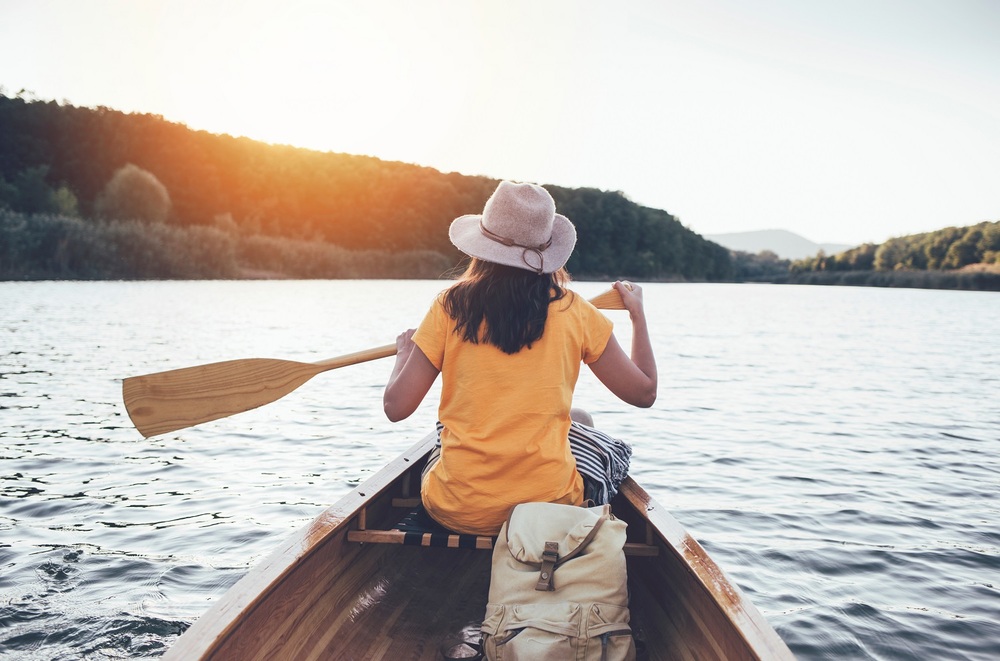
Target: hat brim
(466,235)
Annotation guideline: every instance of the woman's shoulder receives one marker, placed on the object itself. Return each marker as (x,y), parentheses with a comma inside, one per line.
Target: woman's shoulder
(440,299)
(575,307)
(572,301)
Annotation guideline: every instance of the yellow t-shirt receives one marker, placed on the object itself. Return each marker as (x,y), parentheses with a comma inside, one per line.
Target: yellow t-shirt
(506,416)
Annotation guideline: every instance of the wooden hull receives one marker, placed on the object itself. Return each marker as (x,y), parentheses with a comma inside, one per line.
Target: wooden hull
(322,596)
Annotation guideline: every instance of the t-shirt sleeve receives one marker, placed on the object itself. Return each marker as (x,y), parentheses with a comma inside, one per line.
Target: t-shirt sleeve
(432,332)
(596,332)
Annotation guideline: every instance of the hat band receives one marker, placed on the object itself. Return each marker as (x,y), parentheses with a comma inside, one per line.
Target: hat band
(538,250)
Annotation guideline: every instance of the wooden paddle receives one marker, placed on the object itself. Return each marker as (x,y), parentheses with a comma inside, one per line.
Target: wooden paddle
(167,401)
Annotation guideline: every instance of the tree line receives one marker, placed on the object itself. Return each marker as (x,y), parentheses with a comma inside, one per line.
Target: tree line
(94,192)
(946,249)
(950,258)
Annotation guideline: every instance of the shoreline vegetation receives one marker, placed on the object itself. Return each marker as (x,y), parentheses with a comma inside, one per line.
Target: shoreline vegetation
(969,279)
(54,247)
(97,194)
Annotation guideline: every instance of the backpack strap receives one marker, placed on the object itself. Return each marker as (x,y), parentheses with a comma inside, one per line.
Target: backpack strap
(551,559)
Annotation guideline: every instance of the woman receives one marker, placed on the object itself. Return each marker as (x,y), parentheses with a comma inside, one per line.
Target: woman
(508,339)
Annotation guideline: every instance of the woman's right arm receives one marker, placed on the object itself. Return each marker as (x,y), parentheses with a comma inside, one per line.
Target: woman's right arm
(631,378)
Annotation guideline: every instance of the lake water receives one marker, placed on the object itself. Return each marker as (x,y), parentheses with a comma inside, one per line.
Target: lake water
(836,450)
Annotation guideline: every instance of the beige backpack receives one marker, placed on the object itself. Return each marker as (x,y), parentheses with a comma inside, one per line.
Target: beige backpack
(558,588)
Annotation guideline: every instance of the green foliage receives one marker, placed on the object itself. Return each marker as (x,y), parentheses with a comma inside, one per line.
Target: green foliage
(355,203)
(765,265)
(296,258)
(34,195)
(8,194)
(949,248)
(30,192)
(889,255)
(616,238)
(49,246)
(64,201)
(133,194)
(926,279)
(45,246)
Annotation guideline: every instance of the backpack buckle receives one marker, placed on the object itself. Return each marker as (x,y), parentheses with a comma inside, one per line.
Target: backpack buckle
(549,559)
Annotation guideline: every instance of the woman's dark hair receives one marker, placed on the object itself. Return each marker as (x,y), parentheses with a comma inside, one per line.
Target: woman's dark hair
(503,305)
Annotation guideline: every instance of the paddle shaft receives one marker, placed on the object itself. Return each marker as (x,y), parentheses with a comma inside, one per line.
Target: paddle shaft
(176,399)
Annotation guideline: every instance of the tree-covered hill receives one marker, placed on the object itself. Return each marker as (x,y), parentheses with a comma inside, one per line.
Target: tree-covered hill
(952,258)
(76,184)
(946,249)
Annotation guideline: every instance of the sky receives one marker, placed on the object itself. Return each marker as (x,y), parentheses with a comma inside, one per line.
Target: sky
(844,121)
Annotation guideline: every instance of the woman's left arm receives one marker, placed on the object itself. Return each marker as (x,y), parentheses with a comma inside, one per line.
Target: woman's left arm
(412,377)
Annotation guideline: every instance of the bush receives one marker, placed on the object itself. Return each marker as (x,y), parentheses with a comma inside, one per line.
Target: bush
(296,258)
(133,194)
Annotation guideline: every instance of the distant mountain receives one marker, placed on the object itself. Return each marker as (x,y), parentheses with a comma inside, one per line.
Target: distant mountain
(785,244)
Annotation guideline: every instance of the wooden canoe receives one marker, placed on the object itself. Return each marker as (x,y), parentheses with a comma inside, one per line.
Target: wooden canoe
(347,587)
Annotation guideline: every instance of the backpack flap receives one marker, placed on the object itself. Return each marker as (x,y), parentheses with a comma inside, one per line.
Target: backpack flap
(590,563)
(531,525)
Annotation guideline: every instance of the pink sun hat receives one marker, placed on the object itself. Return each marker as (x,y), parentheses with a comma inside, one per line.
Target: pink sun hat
(519,227)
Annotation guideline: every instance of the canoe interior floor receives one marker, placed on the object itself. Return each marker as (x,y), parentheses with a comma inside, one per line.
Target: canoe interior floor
(392,602)
(420,599)
(426,598)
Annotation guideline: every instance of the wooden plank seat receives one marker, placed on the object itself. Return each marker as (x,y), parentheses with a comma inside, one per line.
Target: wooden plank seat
(417,528)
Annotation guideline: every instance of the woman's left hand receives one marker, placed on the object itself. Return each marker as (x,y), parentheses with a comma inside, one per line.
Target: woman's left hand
(404,342)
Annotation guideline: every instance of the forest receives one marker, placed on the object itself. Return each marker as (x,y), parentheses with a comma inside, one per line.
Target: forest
(949,248)
(950,258)
(95,193)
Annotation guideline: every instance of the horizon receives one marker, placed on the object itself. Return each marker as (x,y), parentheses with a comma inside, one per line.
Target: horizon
(846,124)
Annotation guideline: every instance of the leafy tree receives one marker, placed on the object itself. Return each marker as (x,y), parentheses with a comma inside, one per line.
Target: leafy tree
(134,194)
(764,265)
(862,258)
(887,255)
(936,246)
(34,195)
(990,240)
(964,251)
(31,193)
(8,194)
(65,202)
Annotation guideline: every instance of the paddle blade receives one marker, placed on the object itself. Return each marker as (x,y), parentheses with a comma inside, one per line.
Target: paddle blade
(167,401)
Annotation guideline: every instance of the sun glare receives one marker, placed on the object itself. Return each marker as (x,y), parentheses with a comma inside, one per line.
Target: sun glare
(725,115)
(322,77)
